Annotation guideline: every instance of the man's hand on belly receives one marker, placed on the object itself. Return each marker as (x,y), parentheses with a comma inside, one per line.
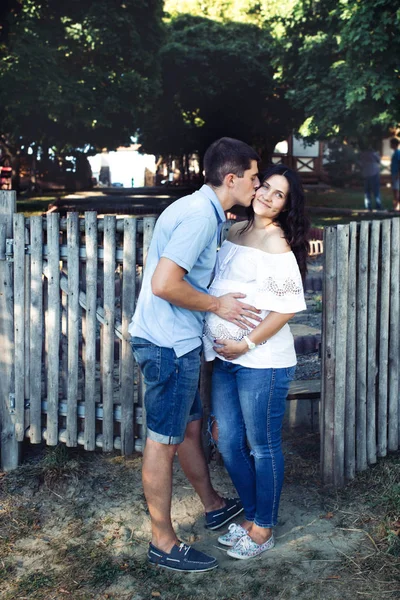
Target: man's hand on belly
(230,309)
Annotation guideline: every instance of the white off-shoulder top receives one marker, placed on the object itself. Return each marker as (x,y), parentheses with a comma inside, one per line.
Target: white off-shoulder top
(271,282)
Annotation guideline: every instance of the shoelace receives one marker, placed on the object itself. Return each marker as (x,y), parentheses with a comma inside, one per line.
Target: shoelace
(234,528)
(183,546)
(246,542)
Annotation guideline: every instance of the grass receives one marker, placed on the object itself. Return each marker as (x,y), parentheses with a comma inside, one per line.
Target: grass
(335,198)
(344,199)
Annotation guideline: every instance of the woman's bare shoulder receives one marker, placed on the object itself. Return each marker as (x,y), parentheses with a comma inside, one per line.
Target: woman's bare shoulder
(276,242)
(235,230)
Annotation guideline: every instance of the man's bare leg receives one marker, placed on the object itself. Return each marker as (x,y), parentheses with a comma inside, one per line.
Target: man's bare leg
(194,465)
(157,485)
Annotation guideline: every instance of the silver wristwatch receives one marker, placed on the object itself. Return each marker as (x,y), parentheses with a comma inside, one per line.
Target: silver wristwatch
(250,344)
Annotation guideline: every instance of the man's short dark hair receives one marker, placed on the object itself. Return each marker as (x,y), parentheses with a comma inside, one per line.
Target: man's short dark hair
(225,156)
(394,142)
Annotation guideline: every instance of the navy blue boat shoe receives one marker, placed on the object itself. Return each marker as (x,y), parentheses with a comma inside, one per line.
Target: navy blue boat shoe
(217,518)
(182,558)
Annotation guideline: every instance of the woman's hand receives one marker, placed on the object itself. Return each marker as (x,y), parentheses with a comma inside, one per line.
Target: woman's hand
(229,349)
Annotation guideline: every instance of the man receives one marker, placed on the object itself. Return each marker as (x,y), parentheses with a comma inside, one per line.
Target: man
(395,172)
(166,335)
(370,163)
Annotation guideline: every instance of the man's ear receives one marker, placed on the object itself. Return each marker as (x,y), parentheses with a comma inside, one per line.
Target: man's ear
(229,180)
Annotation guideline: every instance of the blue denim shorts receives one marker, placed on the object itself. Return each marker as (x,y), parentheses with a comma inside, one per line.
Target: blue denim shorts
(172,397)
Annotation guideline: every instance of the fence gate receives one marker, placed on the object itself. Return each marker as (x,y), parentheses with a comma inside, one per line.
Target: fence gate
(72,284)
(360,347)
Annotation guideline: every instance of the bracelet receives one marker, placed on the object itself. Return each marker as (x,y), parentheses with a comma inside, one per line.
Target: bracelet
(250,344)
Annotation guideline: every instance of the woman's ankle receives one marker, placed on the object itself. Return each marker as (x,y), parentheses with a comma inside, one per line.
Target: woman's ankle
(260,535)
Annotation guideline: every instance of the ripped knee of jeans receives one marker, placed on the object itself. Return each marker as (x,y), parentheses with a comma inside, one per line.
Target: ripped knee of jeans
(213,430)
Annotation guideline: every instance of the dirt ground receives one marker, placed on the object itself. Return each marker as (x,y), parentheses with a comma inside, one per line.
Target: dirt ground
(74,525)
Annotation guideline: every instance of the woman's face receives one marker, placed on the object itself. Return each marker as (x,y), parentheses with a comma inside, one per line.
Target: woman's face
(271,196)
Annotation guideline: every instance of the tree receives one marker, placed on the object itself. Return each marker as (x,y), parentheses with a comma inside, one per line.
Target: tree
(218,79)
(340,63)
(77,73)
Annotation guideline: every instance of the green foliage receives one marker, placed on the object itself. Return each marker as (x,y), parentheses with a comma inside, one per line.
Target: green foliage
(218,79)
(78,72)
(341,64)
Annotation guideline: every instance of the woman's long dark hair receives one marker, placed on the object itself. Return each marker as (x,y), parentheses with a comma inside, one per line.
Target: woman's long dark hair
(292,220)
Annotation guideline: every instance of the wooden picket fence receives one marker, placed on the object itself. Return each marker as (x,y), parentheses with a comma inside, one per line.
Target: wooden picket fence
(68,288)
(360,347)
(73,283)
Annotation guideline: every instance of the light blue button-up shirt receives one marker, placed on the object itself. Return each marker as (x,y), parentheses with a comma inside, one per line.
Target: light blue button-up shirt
(186,233)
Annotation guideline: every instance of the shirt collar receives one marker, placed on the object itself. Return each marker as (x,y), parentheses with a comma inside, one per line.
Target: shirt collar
(212,196)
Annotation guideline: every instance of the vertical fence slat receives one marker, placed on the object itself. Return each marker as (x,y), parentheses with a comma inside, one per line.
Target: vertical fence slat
(27,369)
(53,325)
(350,408)
(127,362)
(36,331)
(372,365)
(91,327)
(384,341)
(394,338)
(19,324)
(361,365)
(342,261)
(328,356)
(108,332)
(148,229)
(73,327)
(8,441)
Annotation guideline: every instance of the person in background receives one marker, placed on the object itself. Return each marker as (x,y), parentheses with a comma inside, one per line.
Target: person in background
(370,164)
(166,332)
(395,172)
(266,258)
(5,173)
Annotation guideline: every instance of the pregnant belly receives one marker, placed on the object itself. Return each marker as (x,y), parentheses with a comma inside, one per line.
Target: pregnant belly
(217,328)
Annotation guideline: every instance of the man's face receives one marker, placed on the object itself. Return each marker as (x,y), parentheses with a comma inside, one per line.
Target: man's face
(245,187)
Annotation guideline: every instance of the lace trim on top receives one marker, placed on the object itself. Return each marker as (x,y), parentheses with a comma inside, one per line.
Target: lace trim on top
(221,332)
(288,287)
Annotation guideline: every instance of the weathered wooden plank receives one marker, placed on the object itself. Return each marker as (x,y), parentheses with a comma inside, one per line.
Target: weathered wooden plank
(73,327)
(36,331)
(27,369)
(8,440)
(372,365)
(328,356)
(384,340)
(90,330)
(127,362)
(108,332)
(394,339)
(53,324)
(361,365)
(350,410)
(19,324)
(148,229)
(342,260)
(100,225)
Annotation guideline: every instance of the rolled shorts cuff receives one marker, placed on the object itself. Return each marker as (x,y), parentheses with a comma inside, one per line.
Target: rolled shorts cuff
(168,440)
(195,417)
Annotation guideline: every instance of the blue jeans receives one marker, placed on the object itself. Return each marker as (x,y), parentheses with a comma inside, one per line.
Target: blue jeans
(248,406)
(371,186)
(171,398)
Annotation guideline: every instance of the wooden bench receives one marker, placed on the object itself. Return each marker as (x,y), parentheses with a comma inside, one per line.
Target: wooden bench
(302,407)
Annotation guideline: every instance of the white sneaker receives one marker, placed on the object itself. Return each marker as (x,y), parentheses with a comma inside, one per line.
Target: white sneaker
(246,548)
(235,532)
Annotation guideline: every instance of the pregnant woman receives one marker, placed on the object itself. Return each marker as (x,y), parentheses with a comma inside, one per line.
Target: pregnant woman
(266,258)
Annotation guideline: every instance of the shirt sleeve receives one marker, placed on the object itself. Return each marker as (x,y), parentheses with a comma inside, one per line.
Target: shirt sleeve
(188,240)
(279,284)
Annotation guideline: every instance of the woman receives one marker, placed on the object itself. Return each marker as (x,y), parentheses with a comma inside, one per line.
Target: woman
(266,258)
